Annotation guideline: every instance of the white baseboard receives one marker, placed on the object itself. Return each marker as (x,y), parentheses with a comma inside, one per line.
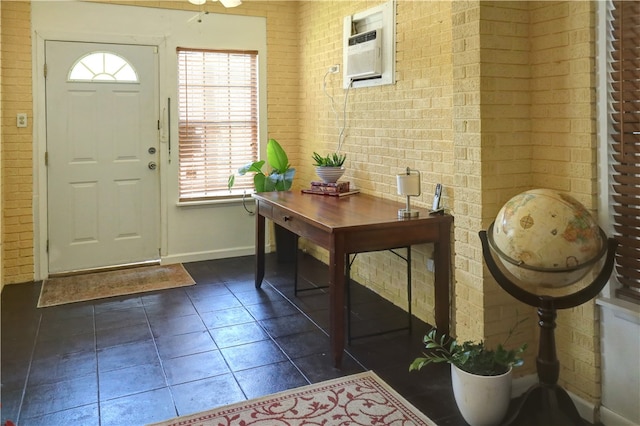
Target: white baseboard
(205,255)
(610,418)
(586,409)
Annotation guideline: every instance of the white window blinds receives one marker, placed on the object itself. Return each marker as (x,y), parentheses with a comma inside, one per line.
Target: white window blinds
(625,143)
(218,120)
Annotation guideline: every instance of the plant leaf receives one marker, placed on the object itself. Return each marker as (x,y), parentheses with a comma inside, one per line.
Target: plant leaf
(277,157)
(251,167)
(260,182)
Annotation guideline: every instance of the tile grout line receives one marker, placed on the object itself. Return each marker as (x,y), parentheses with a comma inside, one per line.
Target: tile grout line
(26,379)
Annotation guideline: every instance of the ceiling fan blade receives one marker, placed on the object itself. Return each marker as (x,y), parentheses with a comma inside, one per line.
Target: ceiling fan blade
(231,3)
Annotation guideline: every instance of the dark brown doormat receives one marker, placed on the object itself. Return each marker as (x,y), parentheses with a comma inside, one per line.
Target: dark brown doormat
(98,285)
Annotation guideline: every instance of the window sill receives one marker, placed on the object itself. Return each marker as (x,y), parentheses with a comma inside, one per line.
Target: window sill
(621,307)
(213,202)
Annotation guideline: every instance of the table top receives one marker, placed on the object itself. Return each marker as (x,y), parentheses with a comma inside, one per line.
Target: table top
(341,213)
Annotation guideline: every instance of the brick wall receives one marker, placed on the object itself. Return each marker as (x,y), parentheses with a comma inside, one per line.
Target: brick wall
(564,155)
(491,98)
(475,107)
(505,109)
(467,143)
(389,128)
(563,98)
(17,161)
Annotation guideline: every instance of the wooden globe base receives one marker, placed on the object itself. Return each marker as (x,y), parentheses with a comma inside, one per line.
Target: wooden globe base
(546,403)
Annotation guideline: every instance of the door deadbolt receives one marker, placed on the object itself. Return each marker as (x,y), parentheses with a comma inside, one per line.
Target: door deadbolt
(152,150)
(152,165)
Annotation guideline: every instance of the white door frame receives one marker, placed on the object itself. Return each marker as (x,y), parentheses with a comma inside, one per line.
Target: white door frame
(192,235)
(111,170)
(40,193)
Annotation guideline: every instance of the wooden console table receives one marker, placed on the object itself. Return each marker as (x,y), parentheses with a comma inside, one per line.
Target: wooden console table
(355,224)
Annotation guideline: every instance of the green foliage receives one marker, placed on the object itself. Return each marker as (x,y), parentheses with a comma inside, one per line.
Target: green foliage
(279,179)
(331,160)
(472,357)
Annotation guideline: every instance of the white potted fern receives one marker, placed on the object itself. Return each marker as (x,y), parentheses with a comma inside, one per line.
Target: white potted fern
(330,167)
(480,376)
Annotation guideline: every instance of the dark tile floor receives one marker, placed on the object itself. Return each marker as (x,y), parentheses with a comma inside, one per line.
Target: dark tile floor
(145,358)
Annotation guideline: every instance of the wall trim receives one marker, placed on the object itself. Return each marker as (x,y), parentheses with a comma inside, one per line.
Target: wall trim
(210,255)
(609,417)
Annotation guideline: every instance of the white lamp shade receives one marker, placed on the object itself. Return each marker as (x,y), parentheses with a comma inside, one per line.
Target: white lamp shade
(197,2)
(408,184)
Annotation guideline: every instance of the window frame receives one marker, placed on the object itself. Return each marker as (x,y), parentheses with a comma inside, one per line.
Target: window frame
(606,212)
(222,193)
(83,62)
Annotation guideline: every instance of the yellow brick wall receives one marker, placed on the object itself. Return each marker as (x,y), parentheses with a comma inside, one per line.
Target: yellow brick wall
(467,143)
(491,98)
(17,161)
(492,157)
(505,109)
(480,115)
(389,128)
(564,155)
(538,130)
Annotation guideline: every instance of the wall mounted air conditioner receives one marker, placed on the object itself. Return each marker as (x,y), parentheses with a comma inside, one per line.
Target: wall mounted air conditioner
(364,55)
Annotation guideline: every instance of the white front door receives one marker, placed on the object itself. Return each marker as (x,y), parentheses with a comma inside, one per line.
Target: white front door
(102,150)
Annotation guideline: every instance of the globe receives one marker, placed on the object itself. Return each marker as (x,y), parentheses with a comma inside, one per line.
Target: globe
(546,238)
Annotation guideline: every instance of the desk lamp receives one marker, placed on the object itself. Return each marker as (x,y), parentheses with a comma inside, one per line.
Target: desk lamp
(409,186)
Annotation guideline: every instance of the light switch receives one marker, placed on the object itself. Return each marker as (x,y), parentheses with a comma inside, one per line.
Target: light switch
(21,120)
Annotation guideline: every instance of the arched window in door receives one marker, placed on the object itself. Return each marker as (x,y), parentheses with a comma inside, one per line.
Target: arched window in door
(106,67)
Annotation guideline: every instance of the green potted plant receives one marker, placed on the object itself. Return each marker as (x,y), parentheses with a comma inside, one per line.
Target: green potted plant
(480,376)
(280,178)
(330,167)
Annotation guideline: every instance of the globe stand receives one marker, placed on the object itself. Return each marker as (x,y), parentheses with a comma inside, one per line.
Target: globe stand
(546,403)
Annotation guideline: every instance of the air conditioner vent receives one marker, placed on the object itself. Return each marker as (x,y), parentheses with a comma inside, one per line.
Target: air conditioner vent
(364,55)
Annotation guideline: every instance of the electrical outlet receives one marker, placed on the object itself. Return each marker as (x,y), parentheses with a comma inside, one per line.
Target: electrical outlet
(334,68)
(21,120)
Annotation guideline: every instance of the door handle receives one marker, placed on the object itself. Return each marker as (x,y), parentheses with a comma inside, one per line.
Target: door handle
(152,165)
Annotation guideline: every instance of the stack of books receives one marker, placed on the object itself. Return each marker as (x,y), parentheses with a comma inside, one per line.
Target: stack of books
(335,189)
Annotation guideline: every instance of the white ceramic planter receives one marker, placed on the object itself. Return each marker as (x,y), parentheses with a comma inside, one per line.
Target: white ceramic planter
(482,400)
(330,174)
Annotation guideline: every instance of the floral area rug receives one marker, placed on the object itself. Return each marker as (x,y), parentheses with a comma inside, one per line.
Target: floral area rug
(98,285)
(359,399)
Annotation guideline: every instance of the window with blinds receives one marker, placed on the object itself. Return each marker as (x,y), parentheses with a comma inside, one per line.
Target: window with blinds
(218,120)
(624,77)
